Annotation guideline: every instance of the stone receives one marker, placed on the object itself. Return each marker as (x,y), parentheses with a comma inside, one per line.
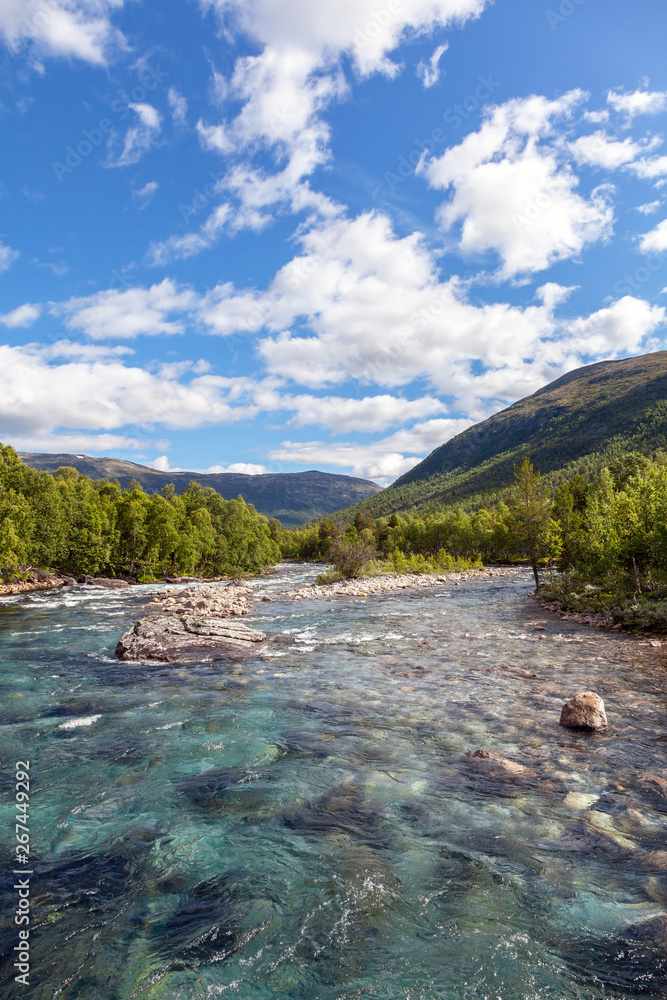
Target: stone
(654,784)
(510,766)
(580,800)
(103,581)
(175,638)
(584,711)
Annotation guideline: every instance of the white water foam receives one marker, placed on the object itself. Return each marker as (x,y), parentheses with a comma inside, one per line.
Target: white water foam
(87,720)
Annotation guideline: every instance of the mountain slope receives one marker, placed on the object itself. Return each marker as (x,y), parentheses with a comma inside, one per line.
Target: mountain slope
(576,423)
(292,497)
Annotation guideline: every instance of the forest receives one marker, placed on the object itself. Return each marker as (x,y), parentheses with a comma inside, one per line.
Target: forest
(594,543)
(75,525)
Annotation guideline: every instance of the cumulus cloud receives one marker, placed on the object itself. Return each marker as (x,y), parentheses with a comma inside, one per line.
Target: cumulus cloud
(370,414)
(619,329)
(602,150)
(383,460)
(81,29)
(24,315)
(162,464)
(513,192)
(7,256)
(285,89)
(139,137)
(246,468)
(649,169)
(656,240)
(361,303)
(650,207)
(130,312)
(44,403)
(638,102)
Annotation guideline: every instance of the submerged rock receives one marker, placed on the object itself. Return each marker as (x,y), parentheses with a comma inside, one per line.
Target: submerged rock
(178,637)
(342,810)
(653,785)
(501,763)
(584,711)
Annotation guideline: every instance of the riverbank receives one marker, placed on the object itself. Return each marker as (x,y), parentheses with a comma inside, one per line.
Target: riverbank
(387,582)
(37,579)
(594,619)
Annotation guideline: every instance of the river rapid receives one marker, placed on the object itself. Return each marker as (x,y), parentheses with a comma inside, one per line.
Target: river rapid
(305,823)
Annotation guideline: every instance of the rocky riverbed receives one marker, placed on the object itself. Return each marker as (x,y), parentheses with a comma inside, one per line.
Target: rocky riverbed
(188,625)
(380,801)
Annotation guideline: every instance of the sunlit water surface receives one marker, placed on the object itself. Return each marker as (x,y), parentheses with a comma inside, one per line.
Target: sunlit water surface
(306,824)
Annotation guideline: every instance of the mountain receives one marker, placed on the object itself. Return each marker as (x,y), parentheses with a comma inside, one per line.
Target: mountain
(576,424)
(292,497)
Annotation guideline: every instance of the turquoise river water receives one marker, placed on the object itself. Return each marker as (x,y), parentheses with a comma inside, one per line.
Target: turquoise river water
(306,824)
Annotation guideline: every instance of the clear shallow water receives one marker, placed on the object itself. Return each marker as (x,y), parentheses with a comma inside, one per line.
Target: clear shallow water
(305,824)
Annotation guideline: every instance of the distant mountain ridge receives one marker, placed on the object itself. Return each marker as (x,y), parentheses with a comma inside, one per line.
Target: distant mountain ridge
(578,422)
(292,497)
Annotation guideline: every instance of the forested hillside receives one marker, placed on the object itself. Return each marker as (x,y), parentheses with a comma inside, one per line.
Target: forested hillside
(76,525)
(292,497)
(577,424)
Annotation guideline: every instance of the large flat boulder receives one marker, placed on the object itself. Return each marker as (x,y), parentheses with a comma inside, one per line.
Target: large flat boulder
(176,638)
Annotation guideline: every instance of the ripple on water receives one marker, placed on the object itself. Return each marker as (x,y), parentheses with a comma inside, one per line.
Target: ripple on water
(318,830)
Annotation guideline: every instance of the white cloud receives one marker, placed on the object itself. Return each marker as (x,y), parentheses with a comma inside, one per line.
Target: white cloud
(513,192)
(69,28)
(139,137)
(73,351)
(178,106)
(429,73)
(649,169)
(619,329)
(369,415)
(602,150)
(638,102)
(360,303)
(160,464)
(130,312)
(650,207)
(25,315)
(285,89)
(655,241)
(189,245)
(7,256)
(246,468)
(146,193)
(552,294)
(47,406)
(381,461)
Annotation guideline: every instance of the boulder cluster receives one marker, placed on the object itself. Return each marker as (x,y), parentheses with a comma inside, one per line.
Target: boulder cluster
(193,625)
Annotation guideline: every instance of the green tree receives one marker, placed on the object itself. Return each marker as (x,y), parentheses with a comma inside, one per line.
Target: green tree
(534,532)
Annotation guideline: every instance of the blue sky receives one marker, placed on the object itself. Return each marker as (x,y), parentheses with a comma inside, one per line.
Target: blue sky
(268,235)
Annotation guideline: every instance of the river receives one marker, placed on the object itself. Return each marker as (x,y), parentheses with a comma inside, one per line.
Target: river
(306,824)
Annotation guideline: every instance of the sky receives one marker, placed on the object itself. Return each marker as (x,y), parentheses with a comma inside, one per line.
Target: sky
(278,235)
